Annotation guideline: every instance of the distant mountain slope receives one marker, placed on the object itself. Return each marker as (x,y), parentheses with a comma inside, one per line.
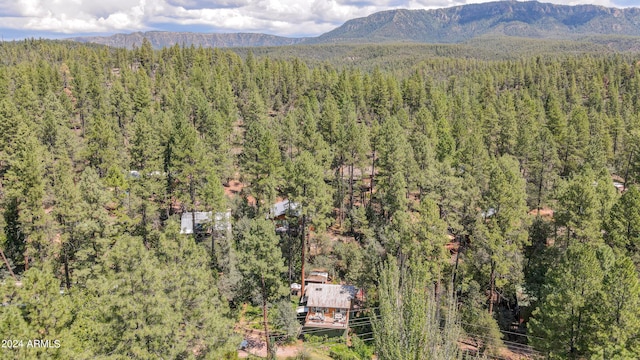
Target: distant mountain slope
(450,25)
(160,39)
(510,18)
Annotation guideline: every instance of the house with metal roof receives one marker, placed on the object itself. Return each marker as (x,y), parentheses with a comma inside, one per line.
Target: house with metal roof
(328,305)
(283,213)
(205,222)
(284,208)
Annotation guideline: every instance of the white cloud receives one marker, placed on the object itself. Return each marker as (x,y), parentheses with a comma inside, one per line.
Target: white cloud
(283,17)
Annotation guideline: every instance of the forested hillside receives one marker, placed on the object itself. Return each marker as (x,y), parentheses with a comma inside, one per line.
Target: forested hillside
(496,199)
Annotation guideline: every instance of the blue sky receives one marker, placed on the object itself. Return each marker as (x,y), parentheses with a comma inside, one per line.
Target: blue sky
(66,18)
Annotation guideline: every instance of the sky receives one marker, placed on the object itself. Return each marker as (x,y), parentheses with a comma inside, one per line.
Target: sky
(65,18)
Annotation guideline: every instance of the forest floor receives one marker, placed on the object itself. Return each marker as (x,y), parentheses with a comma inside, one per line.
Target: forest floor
(545,213)
(506,353)
(260,350)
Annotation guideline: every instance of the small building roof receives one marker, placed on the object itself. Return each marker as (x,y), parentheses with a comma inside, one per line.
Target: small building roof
(221,221)
(284,207)
(320,277)
(489,213)
(619,186)
(330,296)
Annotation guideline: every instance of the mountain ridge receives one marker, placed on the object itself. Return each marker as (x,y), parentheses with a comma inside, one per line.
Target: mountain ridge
(530,19)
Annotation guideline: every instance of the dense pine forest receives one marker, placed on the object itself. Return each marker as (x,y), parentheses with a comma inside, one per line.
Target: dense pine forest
(484,206)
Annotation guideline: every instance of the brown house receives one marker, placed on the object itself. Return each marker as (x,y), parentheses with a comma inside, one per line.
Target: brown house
(329,305)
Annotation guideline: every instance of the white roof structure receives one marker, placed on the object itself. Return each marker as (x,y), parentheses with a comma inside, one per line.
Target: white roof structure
(618,185)
(283,208)
(221,221)
(330,296)
(489,213)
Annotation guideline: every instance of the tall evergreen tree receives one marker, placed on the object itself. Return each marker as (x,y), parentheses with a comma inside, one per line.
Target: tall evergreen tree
(260,263)
(27,223)
(262,163)
(408,326)
(312,195)
(502,231)
(623,225)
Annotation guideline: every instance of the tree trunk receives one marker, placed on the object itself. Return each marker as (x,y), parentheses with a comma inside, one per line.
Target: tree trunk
(539,200)
(373,171)
(566,158)
(145,239)
(351,186)
(626,172)
(436,294)
(302,240)
(193,220)
(454,276)
(6,262)
(192,193)
(67,276)
(82,121)
(304,248)
(264,317)
(341,195)
(492,286)
(290,257)
(213,250)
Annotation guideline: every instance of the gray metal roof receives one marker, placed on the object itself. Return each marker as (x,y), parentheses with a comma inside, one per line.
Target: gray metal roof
(284,207)
(221,221)
(489,213)
(330,296)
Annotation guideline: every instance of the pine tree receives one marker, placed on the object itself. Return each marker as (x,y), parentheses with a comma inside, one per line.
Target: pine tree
(101,144)
(501,234)
(577,208)
(623,225)
(68,214)
(27,230)
(618,311)
(541,171)
(192,291)
(307,189)
(589,307)
(187,166)
(125,310)
(408,326)
(395,165)
(261,265)
(146,163)
(95,226)
(36,309)
(262,163)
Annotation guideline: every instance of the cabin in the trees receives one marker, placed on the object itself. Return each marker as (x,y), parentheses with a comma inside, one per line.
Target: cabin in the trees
(218,224)
(282,212)
(328,306)
(282,209)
